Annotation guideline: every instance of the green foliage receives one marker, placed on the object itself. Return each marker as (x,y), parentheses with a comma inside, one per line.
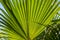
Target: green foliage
(51,33)
(26,19)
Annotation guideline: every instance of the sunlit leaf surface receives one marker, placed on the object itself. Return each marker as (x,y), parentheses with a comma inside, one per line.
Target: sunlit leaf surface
(26,19)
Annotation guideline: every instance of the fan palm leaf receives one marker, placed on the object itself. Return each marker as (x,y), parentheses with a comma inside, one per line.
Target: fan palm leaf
(26,19)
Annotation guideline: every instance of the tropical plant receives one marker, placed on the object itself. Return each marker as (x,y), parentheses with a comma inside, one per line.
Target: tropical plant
(26,19)
(52,32)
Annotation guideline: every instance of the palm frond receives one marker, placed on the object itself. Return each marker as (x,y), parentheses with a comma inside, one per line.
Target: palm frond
(26,19)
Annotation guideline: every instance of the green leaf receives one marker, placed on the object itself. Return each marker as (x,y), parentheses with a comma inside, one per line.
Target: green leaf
(27,18)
